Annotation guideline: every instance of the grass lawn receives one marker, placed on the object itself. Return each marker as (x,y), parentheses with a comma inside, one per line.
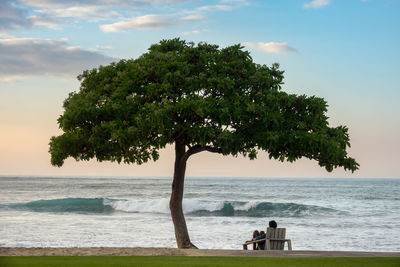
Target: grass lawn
(99,261)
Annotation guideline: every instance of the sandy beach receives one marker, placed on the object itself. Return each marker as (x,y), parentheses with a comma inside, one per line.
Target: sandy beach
(114,251)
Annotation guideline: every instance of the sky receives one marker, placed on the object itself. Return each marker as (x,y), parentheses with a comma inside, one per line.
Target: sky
(346,51)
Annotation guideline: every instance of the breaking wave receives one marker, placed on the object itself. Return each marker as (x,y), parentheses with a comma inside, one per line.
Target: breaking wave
(75,205)
(268,209)
(191,207)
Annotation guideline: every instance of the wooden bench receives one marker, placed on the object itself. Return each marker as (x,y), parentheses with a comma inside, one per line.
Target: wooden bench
(275,240)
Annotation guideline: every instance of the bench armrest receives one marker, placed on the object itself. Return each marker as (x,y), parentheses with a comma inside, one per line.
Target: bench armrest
(255,241)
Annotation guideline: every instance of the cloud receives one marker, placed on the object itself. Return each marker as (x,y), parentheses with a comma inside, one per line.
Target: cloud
(271,47)
(194,32)
(215,7)
(149,22)
(91,13)
(5,35)
(317,4)
(192,18)
(25,14)
(191,32)
(103,47)
(22,57)
(96,3)
(141,22)
(235,1)
(153,21)
(49,22)
(12,17)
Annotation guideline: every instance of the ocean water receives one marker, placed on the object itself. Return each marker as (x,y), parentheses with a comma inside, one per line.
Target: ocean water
(221,213)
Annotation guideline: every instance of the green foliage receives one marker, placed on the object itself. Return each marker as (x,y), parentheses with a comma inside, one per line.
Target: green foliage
(209,98)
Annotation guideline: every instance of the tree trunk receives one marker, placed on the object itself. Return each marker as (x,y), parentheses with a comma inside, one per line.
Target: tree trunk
(175,204)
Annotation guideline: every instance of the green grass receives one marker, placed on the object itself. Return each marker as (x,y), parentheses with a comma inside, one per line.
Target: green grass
(99,261)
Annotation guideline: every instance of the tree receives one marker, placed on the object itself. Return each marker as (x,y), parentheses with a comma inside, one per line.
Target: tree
(199,98)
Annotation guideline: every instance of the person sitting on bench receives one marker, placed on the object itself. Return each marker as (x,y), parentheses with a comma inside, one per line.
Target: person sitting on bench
(261,244)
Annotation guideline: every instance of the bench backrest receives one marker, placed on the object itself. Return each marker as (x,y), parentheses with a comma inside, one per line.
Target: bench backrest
(276,233)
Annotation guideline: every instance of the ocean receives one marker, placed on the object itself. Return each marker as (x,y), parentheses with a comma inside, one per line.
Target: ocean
(221,213)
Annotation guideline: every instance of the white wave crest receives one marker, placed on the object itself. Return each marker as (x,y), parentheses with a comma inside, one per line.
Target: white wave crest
(162,205)
(247,205)
(192,205)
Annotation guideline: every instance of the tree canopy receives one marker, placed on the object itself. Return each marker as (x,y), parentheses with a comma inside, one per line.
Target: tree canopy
(210,99)
(200,98)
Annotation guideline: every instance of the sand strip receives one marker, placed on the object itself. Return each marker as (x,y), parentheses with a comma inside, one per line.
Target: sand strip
(113,251)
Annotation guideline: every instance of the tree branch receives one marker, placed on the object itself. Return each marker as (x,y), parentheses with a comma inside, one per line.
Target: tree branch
(198,148)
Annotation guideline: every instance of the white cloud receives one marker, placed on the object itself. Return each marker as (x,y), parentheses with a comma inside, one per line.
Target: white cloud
(13,16)
(215,7)
(235,1)
(24,14)
(271,47)
(54,13)
(49,22)
(5,35)
(148,22)
(152,21)
(142,22)
(91,13)
(22,57)
(317,4)
(194,32)
(191,32)
(95,3)
(103,47)
(192,18)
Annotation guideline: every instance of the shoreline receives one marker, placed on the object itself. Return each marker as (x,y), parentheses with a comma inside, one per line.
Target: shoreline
(139,251)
